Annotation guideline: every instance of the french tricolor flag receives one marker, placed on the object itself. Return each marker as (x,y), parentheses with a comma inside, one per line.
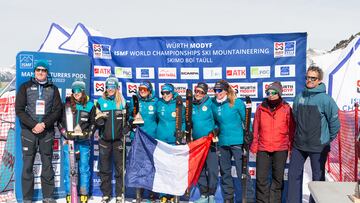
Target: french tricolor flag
(164,168)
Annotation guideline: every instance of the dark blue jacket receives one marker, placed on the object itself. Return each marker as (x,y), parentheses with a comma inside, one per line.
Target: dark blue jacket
(316,116)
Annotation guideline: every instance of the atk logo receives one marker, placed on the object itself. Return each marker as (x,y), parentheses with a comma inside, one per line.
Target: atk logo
(358,86)
(260,71)
(145,73)
(102,71)
(167,73)
(235,72)
(212,73)
(26,61)
(99,87)
(284,49)
(102,51)
(285,70)
(123,72)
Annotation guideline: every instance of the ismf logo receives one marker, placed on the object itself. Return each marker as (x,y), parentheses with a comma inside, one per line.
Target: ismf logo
(284,49)
(145,73)
(26,61)
(99,87)
(102,71)
(235,72)
(358,86)
(102,51)
(285,70)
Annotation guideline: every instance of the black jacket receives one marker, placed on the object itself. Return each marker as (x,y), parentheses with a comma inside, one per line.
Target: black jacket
(25,104)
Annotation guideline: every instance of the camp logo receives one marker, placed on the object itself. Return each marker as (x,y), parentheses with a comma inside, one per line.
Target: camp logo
(145,73)
(212,73)
(99,87)
(284,49)
(26,61)
(167,73)
(285,70)
(189,73)
(102,71)
(235,72)
(260,71)
(102,51)
(123,72)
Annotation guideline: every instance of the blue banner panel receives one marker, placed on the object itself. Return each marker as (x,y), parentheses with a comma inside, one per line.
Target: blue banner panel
(249,62)
(63,69)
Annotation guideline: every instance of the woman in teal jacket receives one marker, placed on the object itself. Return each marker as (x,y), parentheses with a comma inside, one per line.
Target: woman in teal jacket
(203,123)
(166,114)
(229,115)
(147,110)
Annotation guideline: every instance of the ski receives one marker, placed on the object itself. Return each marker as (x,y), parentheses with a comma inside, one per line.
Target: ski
(178,121)
(71,147)
(246,145)
(188,115)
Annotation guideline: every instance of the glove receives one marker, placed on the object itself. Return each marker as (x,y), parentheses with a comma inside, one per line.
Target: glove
(126,129)
(248,138)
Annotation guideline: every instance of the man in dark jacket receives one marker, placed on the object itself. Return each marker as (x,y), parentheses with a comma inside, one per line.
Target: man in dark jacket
(38,106)
(317,124)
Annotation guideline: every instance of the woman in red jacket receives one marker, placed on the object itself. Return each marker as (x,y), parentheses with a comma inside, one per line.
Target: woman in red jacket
(273,134)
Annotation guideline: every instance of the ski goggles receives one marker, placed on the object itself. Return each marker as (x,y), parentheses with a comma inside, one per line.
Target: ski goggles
(199,92)
(217,91)
(143,89)
(76,91)
(165,93)
(312,79)
(271,93)
(111,87)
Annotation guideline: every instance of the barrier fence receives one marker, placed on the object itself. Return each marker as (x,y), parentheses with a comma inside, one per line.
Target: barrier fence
(342,162)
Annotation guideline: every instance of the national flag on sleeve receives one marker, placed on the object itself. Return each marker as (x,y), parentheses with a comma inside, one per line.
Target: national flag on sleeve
(164,168)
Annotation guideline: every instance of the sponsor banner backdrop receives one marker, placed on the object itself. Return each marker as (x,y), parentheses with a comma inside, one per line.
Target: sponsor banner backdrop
(63,69)
(249,62)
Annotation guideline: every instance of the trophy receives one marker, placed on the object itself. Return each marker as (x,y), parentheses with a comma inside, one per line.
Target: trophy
(138,119)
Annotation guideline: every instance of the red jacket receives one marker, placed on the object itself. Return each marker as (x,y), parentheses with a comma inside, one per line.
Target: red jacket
(273,130)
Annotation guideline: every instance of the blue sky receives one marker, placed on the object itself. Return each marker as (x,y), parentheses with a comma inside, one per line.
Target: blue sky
(24,24)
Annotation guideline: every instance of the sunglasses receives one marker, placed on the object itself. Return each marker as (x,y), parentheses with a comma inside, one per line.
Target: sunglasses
(218,91)
(199,92)
(111,87)
(143,89)
(39,70)
(312,79)
(272,93)
(165,93)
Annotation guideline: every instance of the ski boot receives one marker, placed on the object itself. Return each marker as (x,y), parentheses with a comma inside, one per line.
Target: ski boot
(163,199)
(202,199)
(68,198)
(118,199)
(105,199)
(175,199)
(211,199)
(139,192)
(84,199)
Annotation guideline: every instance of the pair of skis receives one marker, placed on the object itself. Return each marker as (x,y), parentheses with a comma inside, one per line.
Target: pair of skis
(246,145)
(183,137)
